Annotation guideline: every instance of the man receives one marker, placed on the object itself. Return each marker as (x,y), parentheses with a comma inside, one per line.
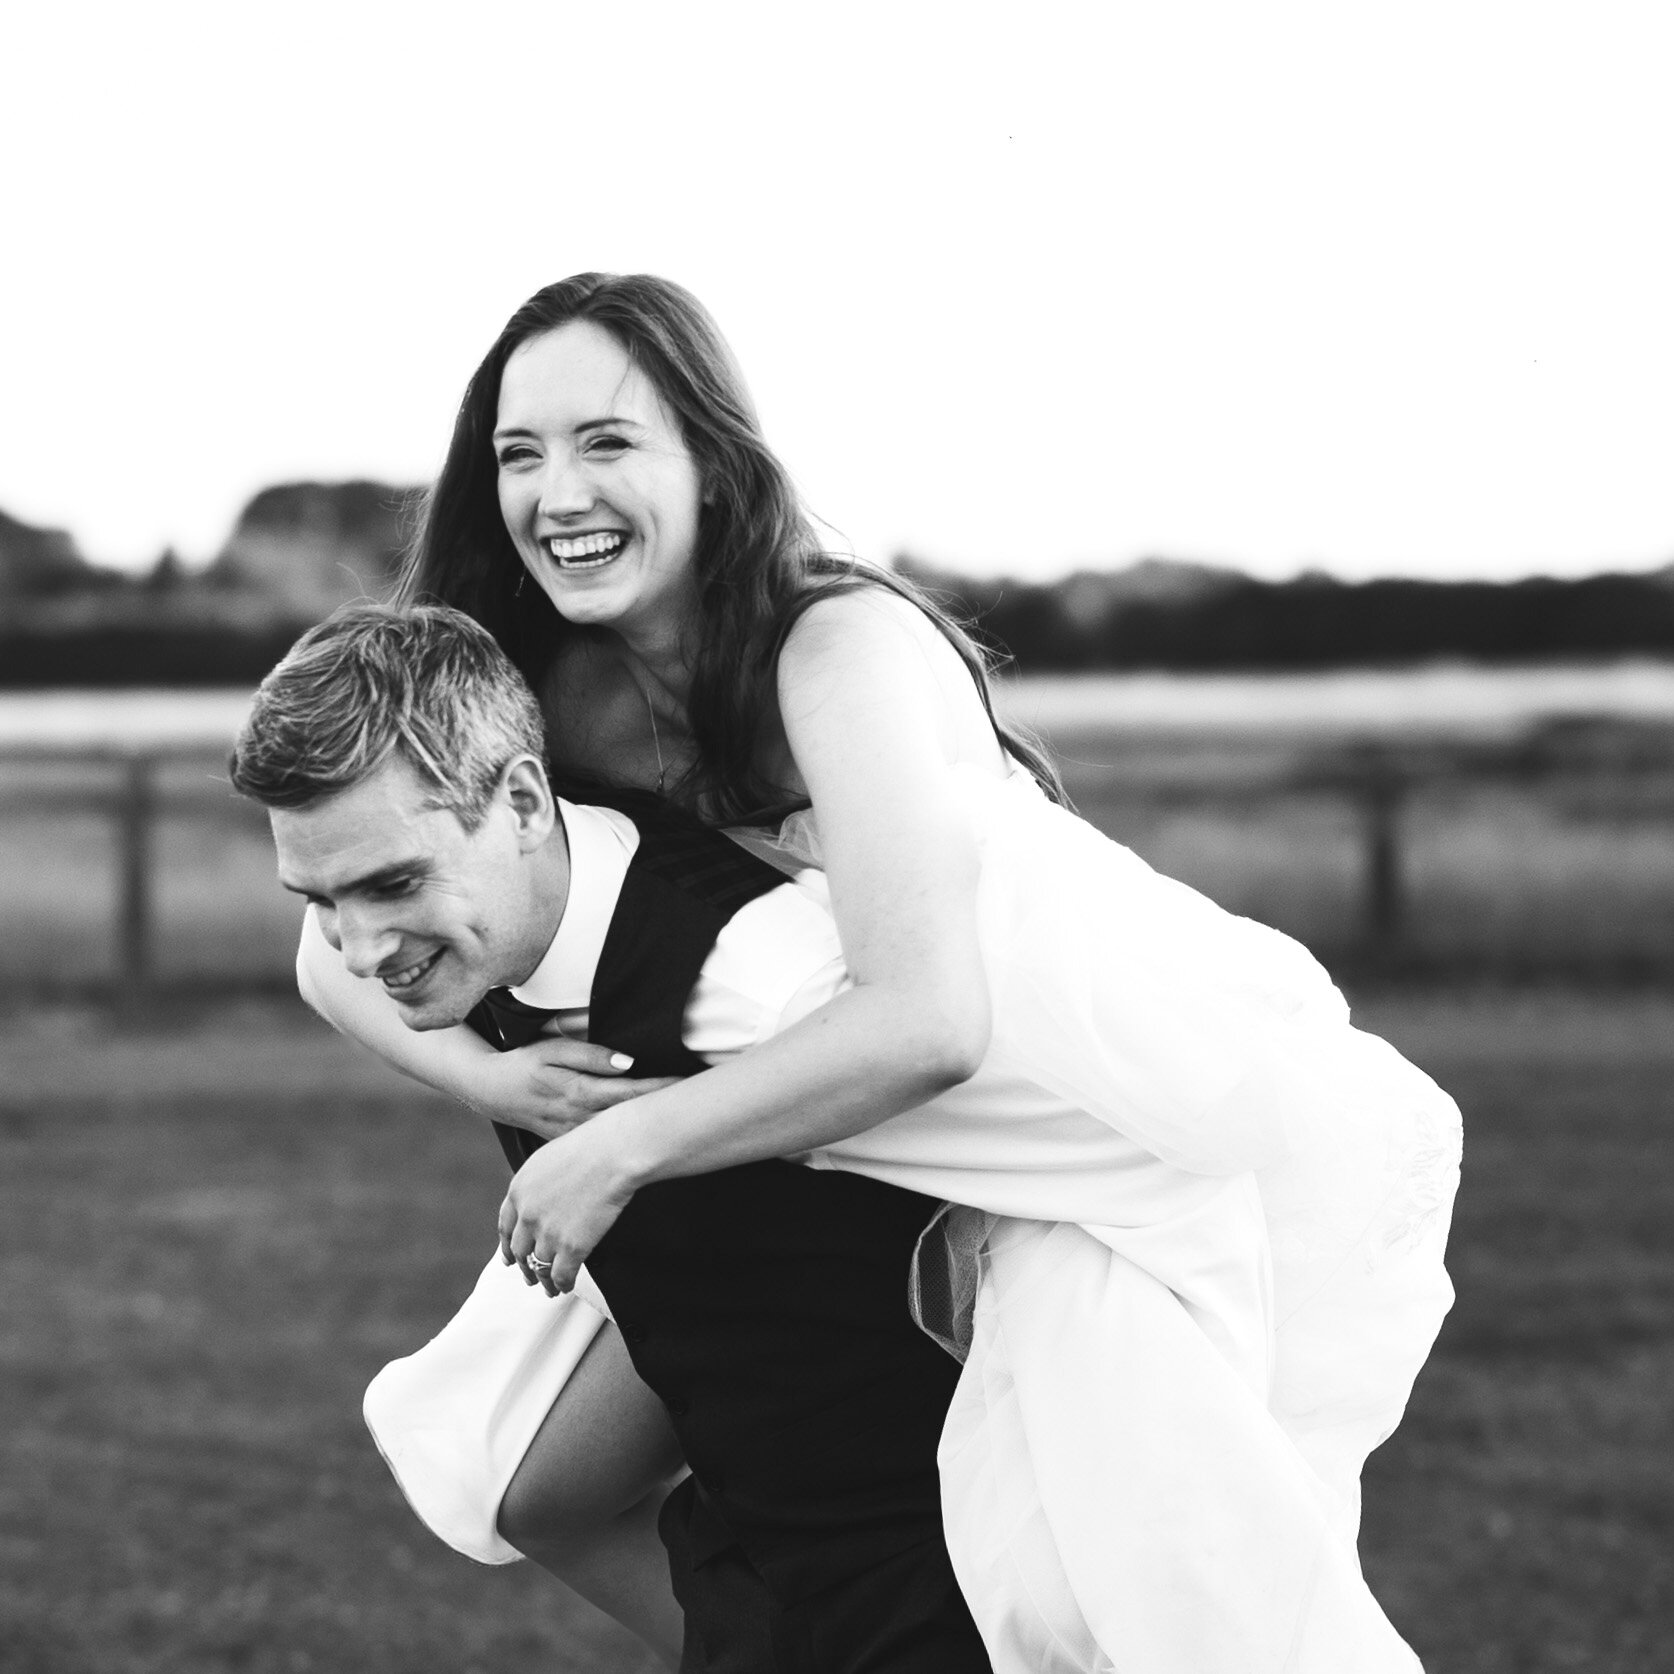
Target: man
(400,756)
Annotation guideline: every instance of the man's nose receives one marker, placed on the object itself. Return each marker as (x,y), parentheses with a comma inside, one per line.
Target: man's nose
(363,940)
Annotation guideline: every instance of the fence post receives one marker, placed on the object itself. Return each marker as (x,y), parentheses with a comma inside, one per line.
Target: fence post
(135,809)
(1381,792)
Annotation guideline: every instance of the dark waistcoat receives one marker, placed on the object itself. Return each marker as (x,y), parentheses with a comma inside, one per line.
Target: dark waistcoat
(766,1304)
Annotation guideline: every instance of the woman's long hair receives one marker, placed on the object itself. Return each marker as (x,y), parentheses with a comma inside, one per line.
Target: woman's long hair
(757,562)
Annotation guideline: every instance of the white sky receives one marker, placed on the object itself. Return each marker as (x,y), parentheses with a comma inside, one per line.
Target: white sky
(1024,286)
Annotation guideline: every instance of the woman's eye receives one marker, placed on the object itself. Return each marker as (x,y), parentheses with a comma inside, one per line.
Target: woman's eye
(514,456)
(608,444)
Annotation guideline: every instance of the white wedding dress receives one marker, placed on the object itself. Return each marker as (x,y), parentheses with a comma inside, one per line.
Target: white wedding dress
(1196,1302)
(1152,1462)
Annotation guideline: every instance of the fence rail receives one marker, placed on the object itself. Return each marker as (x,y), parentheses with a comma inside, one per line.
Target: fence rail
(133,800)
(1378,780)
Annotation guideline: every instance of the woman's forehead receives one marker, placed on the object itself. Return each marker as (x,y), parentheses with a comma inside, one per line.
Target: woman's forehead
(574,375)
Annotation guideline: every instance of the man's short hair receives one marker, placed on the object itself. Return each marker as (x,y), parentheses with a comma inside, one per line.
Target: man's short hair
(370,682)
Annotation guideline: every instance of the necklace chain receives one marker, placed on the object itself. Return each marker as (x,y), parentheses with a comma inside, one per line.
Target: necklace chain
(656,742)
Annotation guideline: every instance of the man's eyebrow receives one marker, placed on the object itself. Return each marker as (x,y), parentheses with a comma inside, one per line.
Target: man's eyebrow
(396,872)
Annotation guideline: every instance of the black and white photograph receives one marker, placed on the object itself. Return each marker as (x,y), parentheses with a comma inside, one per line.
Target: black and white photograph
(837,840)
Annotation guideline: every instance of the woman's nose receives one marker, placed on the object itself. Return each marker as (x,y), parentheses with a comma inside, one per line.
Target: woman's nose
(566,489)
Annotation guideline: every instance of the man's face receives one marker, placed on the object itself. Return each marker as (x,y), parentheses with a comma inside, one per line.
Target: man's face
(437,914)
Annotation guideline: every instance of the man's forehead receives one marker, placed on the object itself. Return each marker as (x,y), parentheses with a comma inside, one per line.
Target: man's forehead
(384,823)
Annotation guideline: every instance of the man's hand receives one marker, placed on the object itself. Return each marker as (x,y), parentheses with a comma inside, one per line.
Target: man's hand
(562,1201)
(554,1085)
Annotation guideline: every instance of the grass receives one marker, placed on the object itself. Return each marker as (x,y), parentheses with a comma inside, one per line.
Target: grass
(205,1261)
(221,1222)
(1522,1517)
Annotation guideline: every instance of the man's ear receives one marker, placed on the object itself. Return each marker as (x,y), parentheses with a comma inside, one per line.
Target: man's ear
(524,787)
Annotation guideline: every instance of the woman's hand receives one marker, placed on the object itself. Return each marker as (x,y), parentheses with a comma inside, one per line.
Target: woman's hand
(561,1202)
(553,1085)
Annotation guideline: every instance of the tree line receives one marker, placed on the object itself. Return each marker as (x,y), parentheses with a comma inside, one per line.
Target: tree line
(300,548)
(1161,616)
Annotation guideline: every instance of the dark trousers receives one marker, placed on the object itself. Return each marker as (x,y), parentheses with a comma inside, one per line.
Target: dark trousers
(902,1615)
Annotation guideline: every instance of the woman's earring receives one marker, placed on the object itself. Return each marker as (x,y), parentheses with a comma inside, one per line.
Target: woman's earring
(522,576)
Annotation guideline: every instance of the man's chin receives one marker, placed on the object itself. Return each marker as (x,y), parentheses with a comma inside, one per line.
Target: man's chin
(427,1006)
(438,1010)
(444,994)
(422,1015)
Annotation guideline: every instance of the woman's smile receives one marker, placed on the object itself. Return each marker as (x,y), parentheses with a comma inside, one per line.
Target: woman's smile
(586,552)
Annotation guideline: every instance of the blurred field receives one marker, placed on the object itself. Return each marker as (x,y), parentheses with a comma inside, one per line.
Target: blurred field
(219,1222)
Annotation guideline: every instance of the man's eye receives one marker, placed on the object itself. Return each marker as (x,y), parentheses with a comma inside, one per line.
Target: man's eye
(395,888)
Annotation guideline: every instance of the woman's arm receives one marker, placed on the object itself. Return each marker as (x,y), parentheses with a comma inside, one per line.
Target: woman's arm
(876,722)
(548,1087)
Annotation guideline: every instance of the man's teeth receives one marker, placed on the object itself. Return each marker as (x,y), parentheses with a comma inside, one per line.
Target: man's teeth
(406,978)
(586,551)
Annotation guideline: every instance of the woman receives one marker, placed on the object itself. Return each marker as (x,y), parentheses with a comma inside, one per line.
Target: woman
(609,510)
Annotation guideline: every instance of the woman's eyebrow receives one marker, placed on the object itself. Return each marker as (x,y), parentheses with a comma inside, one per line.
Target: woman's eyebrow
(504,431)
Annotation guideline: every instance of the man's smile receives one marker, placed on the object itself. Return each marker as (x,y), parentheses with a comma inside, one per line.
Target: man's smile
(398,982)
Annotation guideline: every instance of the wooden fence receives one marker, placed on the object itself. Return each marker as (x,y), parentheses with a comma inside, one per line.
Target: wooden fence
(132,799)
(1376,779)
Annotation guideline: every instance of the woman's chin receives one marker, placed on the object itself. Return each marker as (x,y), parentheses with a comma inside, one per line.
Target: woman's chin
(584,596)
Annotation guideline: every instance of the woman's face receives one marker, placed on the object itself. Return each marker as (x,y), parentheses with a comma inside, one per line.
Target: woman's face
(597,488)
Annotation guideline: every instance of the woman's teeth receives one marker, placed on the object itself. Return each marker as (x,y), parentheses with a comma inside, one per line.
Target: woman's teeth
(406,978)
(586,552)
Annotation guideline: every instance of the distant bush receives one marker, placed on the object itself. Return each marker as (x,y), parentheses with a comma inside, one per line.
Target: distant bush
(1157,615)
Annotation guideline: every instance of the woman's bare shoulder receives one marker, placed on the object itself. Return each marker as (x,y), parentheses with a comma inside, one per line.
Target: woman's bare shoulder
(872,637)
(862,618)
(869,651)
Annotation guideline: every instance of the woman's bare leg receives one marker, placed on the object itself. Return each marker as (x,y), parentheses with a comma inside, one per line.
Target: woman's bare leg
(583,1503)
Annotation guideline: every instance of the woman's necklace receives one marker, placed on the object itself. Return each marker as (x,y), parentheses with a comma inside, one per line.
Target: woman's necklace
(656,737)
(656,742)
(644,690)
